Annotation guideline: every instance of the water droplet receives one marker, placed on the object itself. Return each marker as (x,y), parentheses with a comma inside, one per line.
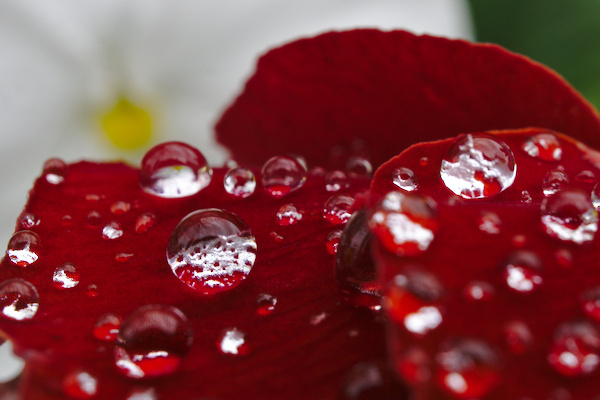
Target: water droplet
(288,214)
(92,197)
(92,290)
(405,179)
(414,366)
(336,180)
(276,237)
(522,272)
(142,394)
(317,172)
(233,341)
(467,368)
(112,230)
(489,223)
(526,197)
(93,219)
(519,241)
(24,248)
(411,300)
(569,215)
(28,221)
(174,169)
(478,165)
(120,207)
(596,196)
(368,380)
(359,167)
(211,250)
(479,291)
(66,276)
(586,177)
(337,209)
(424,161)
(554,181)
(543,146)
(152,341)
(332,241)
(563,258)
(80,385)
(282,175)
(265,304)
(405,223)
(355,270)
(19,299)
(55,171)
(317,319)
(123,257)
(519,338)
(107,327)
(574,349)
(590,302)
(66,220)
(144,222)
(239,182)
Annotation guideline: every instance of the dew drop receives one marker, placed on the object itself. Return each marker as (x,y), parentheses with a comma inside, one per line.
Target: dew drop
(211,250)
(24,248)
(173,170)
(239,182)
(288,214)
(405,223)
(519,338)
(120,207)
(80,385)
(152,341)
(522,272)
(28,221)
(233,341)
(569,215)
(359,167)
(54,171)
(107,327)
(66,276)
(265,304)
(574,349)
(282,175)
(489,223)
(543,146)
(19,299)
(477,166)
(336,180)
(337,209)
(333,240)
(112,230)
(405,179)
(93,219)
(479,291)
(554,181)
(144,222)
(467,368)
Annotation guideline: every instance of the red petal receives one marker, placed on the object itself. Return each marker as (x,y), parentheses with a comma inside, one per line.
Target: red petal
(376,93)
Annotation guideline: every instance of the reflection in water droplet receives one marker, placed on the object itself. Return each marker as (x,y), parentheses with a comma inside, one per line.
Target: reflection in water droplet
(359,167)
(574,349)
(19,299)
(554,181)
(336,180)
(282,175)
(522,272)
(211,250)
(233,341)
(239,182)
(55,171)
(144,222)
(80,385)
(337,209)
(173,170)
(265,304)
(569,215)
(518,337)
(24,248)
(543,146)
(66,276)
(288,214)
(405,179)
(107,327)
(478,165)
(152,341)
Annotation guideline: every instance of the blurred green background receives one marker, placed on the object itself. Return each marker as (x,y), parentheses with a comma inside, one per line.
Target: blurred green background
(562,34)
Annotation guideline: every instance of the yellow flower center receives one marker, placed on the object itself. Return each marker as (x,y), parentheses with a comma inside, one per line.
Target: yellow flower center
(127,125)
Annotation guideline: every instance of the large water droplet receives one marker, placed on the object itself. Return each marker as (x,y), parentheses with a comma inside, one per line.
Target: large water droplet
(211,250)
(66,276)
(336,180)
(522,272)
(569,215)
(405,179)
(107,327)
(282,175)
(478,165)
(575,349)
(467,368)
(55,171)
(80,385)
(19,299)
(233,341)
(239,182)
(174,169)
(554,181)
(337,209)
(405,223)
(543,146)
(24,248)
(288,214)
(152,341)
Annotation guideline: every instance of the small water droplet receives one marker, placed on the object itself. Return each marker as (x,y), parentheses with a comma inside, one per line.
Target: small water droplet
(93,219)
(519,338)
(173,170)
(239,182)
(80,385)
(265,304)
(288,214)
(92,290)
(123,257)
(479,291)
(24,248)
(519,241)
(586,177)
(66,220)
(590,302)
(19,299)
(317,319)
(152,341)
(144,222)
(332,241)
(359,167)
(489,222)
(317,172)
(92,197)
(55,171)
(120,207)
(414,366)
(369,380)
(405,223)
(526,197)
(276,237)
(211,250)
(282,175)
(66,276)
(424,161)
(522,272)
(467,368)
(569,215)
(543,146)
(107,327)
(405,179)
(336,180)
(554,181)
(112,230)
(233,341)
(337,209)
(143,394)
(28,221)
(563,258)
(574,349)
(477,166)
